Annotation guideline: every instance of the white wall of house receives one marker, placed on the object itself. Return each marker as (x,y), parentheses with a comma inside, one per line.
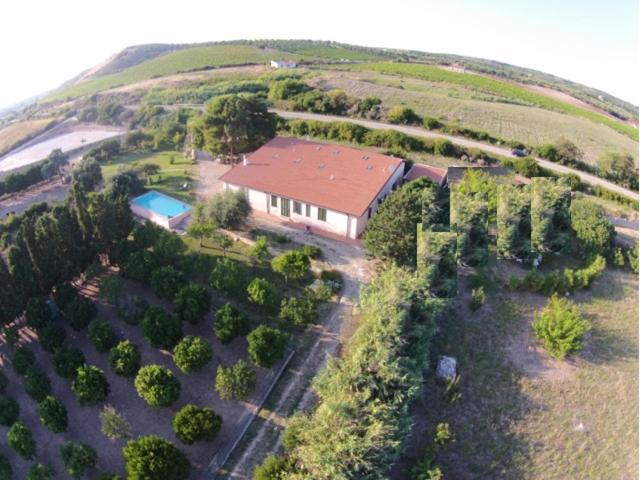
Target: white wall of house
(336,222)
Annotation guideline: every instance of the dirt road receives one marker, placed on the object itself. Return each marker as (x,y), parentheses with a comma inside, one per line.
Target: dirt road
(420,132)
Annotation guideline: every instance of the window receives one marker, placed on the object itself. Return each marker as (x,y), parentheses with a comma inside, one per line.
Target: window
(322,214)
(307,211)
(274,201)
(297,208)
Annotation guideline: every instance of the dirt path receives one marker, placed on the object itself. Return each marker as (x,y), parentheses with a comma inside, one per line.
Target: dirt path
(325,343)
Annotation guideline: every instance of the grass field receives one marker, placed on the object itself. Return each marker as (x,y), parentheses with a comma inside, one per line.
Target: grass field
(451,102)
(494,87)
(171,177)
(190,59)
(524,416)
(14,134)
(338,53)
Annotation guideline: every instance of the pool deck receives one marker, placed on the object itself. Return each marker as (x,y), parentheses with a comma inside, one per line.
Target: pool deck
(166,221)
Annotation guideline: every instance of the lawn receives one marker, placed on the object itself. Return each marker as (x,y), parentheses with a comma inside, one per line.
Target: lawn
(525,416)
(502,118)
(171,178)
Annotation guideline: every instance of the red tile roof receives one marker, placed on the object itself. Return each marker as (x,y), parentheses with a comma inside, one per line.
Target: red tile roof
(336,177)
(420,170)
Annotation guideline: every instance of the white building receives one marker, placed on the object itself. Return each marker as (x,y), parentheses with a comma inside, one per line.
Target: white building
(283,64)
(326,187)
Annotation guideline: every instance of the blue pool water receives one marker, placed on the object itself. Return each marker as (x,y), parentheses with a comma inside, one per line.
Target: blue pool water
(161,204)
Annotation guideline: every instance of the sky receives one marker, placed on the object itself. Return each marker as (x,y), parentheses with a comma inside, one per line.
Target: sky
(594,42)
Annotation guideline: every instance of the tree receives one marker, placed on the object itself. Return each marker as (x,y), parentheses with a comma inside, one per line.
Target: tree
(90,386)
(67,360)
(22,360)
(619,168)
(124,359)
(193,424)
(157,386)
(52,337)
(237,381)
(111,218)
(87,175)
(40,471)
(513,216)
(77,458)
(200,226)
(291,264)
(391,232)
(261,292)
(233,124)
(4,381)
(443,147)
(113,425)
(168,248)
(272,468)
(166,281)
(229,322)
(568,152)
(403,115)
(192,354)
(153,457)
(53,414)
(102,335)
(111,289)
(9,411)
(299,310)
(37,312)
(229,209)
(79,312)
(125,183)
(6,471)
(36,384)
(550,215)
(260,251)
(21,441)
(287,88)
(228,276)
(192,303)
(161,329)
(560,327)
(592,226)
(266,345)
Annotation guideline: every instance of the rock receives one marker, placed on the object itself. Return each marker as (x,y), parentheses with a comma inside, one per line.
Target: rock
(447,368)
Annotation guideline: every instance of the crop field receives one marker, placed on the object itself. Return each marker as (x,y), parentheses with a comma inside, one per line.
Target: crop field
(18,132)
(190,59)
(525,416)
(450,102)
(337,53)
(494,87)
(171,178)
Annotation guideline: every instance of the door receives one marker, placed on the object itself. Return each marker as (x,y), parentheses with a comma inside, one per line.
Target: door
(284,207)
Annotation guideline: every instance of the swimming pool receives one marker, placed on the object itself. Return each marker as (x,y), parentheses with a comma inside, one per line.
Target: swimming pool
(160,208)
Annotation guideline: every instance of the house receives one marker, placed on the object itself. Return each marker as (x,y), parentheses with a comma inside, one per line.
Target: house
(418,170)
(332,188)
(283,64)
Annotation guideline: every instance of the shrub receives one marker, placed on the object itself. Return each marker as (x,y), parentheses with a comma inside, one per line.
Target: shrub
(229,209)
(21,441)
(40,471)
(4,381)
(153,457)
(64,294)
(266,345)
(228,277)
(157,386)
(9,411)
(113,425)
(229,322)
(299,310)
(333,279)
(90,386)
(36,312)
(291,264)
(53,414)
(618,257)
(260,251)
(52,337)
(111,289)
(592,226)
(443,147)
(79,312)
(237,381)
(192,354)
(166,281)
(124,359)
(22,360)
(560,327)
(192,303)
(160,329)
(632,256)
(101,335)
(133,310)
(295,425)
(431,123)
(77,458)
(478,298)
(403,115)
(312,251)
(67,360)
(36,384)
(192,424)
(6,472)
(272,468)
(261,292)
